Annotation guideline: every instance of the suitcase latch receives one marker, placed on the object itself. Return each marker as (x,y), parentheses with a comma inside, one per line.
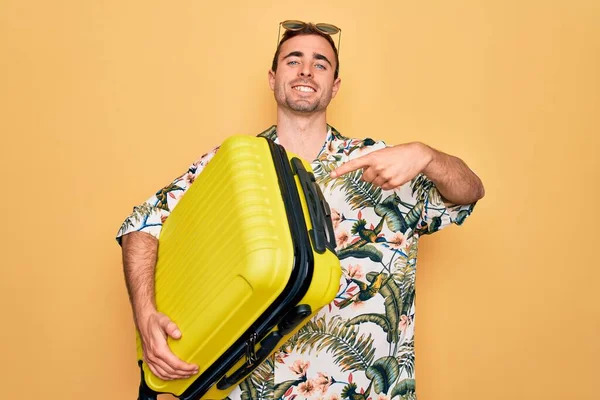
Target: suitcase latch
(250,345)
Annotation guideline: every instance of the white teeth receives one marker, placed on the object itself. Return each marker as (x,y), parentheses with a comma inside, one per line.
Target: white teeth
(304,89)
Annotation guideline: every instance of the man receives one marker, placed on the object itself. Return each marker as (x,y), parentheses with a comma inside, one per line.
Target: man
(382,198)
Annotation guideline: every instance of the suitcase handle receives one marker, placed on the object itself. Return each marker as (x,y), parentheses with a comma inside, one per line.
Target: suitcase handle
(322,232)
(292,319)
(266,346)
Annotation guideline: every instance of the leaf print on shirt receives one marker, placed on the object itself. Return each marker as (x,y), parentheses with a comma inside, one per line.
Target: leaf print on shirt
(262,379)
(322,169)
(404,274)
(139,217)
(360,251)
(248,390)
(462,215)
(406,357)
(414,215)
(390,321)
(383,373)
(359,193)
(406,389)
(405,279)
(422,187)
(393,310)
(350,351)
(406,259)
(388,209)
(162,194)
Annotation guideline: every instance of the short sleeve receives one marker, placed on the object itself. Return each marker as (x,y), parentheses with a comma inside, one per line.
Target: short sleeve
(421,205)
(437,212)
(150,215)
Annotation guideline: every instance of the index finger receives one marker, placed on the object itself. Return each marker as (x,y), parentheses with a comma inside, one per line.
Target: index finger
(350,166)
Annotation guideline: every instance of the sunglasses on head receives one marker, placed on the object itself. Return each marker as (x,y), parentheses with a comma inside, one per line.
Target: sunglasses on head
(295,25)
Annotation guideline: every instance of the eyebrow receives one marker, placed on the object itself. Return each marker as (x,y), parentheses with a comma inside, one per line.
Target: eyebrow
(316,56)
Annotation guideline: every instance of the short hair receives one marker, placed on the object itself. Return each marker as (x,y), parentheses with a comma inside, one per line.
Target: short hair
(308,29)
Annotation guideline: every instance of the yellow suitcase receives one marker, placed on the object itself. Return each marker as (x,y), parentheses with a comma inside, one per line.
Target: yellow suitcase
(244,260)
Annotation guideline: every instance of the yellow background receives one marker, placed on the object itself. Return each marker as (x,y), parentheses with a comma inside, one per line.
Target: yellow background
(102,103)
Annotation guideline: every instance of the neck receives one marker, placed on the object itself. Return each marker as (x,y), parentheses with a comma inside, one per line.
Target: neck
(301,133)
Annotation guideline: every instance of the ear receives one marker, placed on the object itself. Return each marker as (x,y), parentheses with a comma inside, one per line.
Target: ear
(272,79)
(336,86)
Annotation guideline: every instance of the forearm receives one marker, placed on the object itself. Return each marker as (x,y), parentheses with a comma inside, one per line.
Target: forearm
(139,262)
(453,178)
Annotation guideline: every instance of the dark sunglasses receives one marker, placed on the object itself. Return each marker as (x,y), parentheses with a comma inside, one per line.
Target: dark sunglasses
(295,25)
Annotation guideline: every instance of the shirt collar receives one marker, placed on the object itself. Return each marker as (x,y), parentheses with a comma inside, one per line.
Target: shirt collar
(332,135)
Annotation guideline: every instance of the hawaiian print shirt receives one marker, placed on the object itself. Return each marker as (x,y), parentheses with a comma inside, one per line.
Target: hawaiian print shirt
(361,346)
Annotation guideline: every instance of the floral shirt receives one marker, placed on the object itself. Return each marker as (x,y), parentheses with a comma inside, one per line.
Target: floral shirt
(361,345)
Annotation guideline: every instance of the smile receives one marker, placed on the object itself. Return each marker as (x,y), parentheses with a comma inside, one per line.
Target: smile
(301,88)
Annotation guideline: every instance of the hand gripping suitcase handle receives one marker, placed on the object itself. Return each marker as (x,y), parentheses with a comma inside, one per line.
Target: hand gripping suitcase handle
(322,233)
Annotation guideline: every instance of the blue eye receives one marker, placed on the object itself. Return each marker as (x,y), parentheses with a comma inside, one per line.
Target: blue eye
(321,66)
(290,62)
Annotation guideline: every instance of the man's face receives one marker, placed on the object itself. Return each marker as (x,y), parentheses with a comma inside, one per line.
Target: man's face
(304,78)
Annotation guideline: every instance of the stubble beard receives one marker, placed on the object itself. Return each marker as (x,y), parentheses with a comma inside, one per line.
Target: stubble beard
(301,106)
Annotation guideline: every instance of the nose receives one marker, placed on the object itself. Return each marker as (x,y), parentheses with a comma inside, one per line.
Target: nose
(305,71)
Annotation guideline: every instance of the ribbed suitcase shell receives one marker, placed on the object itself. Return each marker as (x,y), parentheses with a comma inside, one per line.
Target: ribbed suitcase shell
(226,254)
